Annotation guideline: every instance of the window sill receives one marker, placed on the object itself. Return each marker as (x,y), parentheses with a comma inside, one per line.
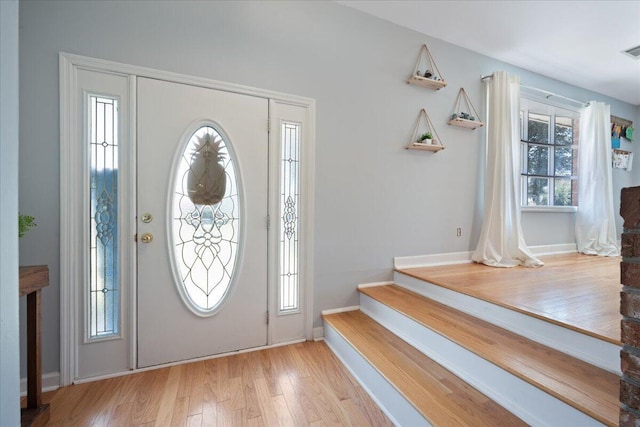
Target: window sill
(554,209)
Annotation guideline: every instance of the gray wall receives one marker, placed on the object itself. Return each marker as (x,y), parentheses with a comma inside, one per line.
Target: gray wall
(9,357)
(374,200)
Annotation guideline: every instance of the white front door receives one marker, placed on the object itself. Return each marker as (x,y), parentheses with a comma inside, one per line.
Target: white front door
(202,256)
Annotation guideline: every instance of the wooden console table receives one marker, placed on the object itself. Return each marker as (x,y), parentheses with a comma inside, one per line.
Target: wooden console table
(32,280)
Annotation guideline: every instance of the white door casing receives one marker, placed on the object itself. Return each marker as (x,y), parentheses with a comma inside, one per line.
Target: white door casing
(74,202)
(168,114)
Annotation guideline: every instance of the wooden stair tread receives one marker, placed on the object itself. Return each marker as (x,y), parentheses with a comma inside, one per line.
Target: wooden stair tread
(439,395)
(587,388)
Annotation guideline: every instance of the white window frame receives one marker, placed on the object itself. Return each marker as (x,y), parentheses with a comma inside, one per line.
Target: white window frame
(71,279)
(553,109)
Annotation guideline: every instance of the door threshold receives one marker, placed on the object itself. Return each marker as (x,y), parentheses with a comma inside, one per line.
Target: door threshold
(183,362)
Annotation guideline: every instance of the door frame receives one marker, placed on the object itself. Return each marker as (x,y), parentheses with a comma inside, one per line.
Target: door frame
(73,222)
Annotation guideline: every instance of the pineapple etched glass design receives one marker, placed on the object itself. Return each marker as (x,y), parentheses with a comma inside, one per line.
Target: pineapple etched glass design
(205,220)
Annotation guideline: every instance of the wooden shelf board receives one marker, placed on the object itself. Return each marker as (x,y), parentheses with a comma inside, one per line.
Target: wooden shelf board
(426,82)
(425,147)
(464,123)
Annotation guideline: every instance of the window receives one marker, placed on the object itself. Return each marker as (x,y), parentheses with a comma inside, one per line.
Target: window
(103,299)
(289,216)
(549,153)
(206,220)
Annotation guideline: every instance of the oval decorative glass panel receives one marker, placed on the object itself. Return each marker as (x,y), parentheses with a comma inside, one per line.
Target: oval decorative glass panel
(205,221)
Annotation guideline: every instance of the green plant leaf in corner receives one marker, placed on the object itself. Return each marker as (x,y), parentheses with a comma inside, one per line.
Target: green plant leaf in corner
(25,223)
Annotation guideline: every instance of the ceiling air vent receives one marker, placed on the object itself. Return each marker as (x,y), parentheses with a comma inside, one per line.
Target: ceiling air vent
(634,52)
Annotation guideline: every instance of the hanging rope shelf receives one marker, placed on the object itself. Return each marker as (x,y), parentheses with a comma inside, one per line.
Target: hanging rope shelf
(430,76)
(467,118)
(425,141)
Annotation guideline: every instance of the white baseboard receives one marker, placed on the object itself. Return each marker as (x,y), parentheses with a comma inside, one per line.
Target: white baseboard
(50,382)
(560,248)
(318,333)
(416,261)
(374,284)
(341,309)
(430,260)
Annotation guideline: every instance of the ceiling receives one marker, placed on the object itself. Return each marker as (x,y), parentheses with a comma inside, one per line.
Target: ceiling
(577,42)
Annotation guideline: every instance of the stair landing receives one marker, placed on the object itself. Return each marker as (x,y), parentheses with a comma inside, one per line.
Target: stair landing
(575,291)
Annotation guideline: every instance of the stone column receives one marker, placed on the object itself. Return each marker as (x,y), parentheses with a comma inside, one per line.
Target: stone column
(630,308)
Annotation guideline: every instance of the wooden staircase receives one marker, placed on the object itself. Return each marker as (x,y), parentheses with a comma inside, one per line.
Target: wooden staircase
(427,363)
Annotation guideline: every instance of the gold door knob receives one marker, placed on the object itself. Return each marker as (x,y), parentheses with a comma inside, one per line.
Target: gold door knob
(146,238)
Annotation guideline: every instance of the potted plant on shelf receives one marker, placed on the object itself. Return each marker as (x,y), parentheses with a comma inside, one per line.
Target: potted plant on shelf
(426,138)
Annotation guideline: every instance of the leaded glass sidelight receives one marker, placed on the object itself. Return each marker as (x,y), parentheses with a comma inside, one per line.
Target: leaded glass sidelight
(205,220)
(289,217)
(103,312)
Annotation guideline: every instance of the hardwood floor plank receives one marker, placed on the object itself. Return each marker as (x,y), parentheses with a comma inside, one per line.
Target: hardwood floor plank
(302,410)
(255,422)
(209,406)
(321,403)
(271,371)
(179,414)
(224,414)
(268,411)
(282,410)
(169,396)
(155,393)
(251,401)
(121,415)
(300,368)
(194,420)
(236,393)
(354,415)
(196,395)
(142,396)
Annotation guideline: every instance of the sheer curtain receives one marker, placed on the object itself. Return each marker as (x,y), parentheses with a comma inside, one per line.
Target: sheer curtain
(595,220)
(501,241)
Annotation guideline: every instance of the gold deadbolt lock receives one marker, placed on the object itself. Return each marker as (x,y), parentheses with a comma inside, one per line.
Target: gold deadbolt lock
(147,217)
(146,238)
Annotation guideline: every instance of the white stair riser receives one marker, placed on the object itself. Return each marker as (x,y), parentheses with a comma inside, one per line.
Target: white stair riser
(392,403)
(524,400)
(592,350)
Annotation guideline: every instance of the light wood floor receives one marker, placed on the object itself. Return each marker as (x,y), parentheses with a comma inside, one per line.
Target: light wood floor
(295,385)
(577,291)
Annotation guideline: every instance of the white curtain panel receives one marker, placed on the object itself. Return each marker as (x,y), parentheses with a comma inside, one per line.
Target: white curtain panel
(595,220)
(501,241)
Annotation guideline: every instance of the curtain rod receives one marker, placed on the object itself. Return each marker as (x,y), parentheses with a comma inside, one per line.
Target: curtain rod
(546,92)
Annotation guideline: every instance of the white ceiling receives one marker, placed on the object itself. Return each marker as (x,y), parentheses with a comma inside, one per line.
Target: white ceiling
(577,42)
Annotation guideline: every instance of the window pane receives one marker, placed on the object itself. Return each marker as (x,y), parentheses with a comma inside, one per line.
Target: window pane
(538,191)
(206,219)
(564,131)
(521,124)
(538,160)
(289,216)
(538,128)
(562,192)
(563,160)
(103,297)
